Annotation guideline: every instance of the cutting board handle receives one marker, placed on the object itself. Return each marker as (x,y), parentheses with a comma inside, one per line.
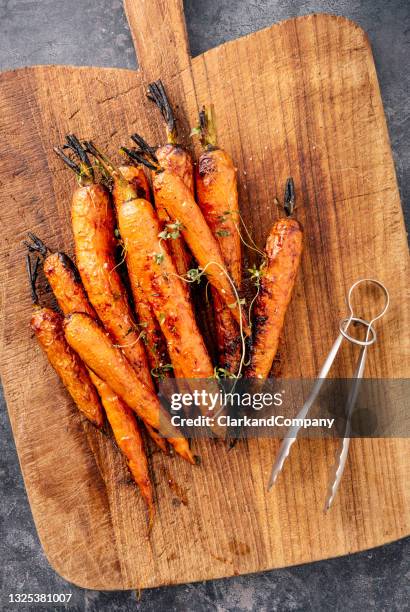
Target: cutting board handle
(160,37)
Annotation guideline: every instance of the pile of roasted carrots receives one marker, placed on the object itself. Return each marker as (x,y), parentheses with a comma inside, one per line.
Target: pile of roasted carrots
(118,334)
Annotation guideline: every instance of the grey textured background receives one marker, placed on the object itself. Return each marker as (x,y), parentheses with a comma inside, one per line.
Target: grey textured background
(95,32)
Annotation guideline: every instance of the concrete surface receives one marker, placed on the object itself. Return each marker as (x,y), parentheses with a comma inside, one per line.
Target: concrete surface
(95,32)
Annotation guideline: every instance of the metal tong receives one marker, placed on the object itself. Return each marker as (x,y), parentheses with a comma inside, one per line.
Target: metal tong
(342,452)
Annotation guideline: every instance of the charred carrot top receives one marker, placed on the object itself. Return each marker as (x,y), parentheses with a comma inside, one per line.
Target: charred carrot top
(170,157)
(217,196)
(93,228)
(283,252)
(156,93)
(48,328)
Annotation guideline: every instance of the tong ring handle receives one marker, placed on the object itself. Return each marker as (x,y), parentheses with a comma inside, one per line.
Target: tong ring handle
(370,281)
(344,325)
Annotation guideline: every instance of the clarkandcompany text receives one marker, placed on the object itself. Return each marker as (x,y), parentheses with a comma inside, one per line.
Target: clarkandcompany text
(215,403)
(245,421)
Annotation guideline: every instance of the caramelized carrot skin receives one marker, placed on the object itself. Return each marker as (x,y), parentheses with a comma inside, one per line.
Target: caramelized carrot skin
(128,436)
(149,262)
(108,362)
(176,160)
(283,250)
(68,289)
(217,197)
(180,204)
(155,344)
(66,284)
(228,338)
(93,228)
(48,328)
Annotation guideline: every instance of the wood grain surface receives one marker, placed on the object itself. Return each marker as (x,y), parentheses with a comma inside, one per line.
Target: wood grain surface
(300,98)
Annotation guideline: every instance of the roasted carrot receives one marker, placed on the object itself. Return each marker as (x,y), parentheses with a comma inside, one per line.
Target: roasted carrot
(65,282)
(172,156)
(129,439)
(135,175)
(171,193)
(217,197)
(169,227)
(177,160)
(150,265)
(108,362)
(181,205)
(93,228)
(48,328)
(151,333)
(149,261)
(283,252)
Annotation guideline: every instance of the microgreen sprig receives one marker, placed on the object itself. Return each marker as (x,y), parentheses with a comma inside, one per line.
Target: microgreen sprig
(172,231)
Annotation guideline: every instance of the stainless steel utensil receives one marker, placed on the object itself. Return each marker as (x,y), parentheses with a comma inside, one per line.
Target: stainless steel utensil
(343,449)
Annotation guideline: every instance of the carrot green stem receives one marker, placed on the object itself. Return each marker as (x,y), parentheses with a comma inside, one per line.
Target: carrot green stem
(144,151)
(36,245)
(105,161)
(156,93)
(207,127)
(83,168)
(69,162)
(143,145)
(289,198)
(32,275)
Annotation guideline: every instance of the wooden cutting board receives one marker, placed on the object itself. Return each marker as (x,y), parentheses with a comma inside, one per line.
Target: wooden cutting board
(300,98)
